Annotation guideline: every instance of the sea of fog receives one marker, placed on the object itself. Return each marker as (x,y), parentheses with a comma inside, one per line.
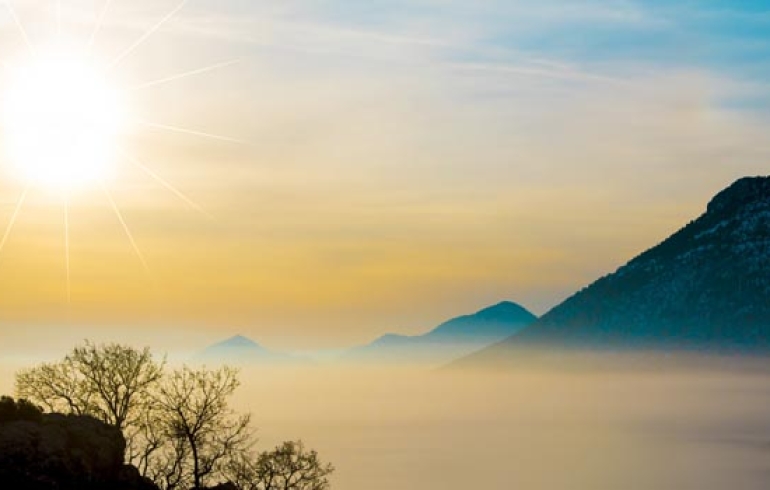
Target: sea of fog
(405,429)
(535,430)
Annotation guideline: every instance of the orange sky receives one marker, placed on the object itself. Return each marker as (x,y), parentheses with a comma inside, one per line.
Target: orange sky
(378,185)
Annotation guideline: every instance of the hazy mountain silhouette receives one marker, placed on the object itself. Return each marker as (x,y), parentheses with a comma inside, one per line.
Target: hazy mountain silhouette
(242,350)
(451,339)
(706,288)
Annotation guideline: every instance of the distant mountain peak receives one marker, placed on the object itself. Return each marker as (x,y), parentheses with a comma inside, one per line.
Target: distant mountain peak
(493,321)
(239,349)
(239,341)
(451,339)
(237,344)
(505,309)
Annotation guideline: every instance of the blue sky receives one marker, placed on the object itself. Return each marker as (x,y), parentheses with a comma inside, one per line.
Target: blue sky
(400,162)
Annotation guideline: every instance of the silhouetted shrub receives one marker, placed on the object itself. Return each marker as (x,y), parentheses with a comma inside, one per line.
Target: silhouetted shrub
(287,467)
(224,486)
(11,410)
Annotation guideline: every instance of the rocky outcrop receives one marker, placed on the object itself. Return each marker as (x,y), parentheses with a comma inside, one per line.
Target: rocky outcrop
(61,452)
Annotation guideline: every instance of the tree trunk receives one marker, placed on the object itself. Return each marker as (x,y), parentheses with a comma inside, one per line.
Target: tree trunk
(196,464)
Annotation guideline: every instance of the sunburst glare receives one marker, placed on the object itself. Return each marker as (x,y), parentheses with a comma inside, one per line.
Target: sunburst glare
(61,120)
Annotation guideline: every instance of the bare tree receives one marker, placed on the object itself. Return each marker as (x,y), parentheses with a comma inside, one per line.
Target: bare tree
(111,382)
(179,427)
(57,387)
(167,466)
(119,377)
(205,431)
(146,439)
(288,467)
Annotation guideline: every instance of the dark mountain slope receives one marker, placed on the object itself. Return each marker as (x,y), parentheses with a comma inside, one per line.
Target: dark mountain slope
(707,287)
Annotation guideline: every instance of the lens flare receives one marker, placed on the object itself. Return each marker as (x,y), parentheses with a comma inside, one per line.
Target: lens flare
(62,119)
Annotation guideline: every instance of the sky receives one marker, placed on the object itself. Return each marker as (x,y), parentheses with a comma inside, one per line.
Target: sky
(379,166)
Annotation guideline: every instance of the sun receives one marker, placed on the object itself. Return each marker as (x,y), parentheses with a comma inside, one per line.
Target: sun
(62,120)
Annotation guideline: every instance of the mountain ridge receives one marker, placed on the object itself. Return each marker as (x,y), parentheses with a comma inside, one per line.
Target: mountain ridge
(452,338)
(706,287)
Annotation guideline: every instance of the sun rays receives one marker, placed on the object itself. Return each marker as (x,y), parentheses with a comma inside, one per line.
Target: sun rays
(123,157)
(126,229)
(19,25)
(99,23)
(163,182)
(14,217)
(128,51)
(179,76)
(67,247)
(192,132)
